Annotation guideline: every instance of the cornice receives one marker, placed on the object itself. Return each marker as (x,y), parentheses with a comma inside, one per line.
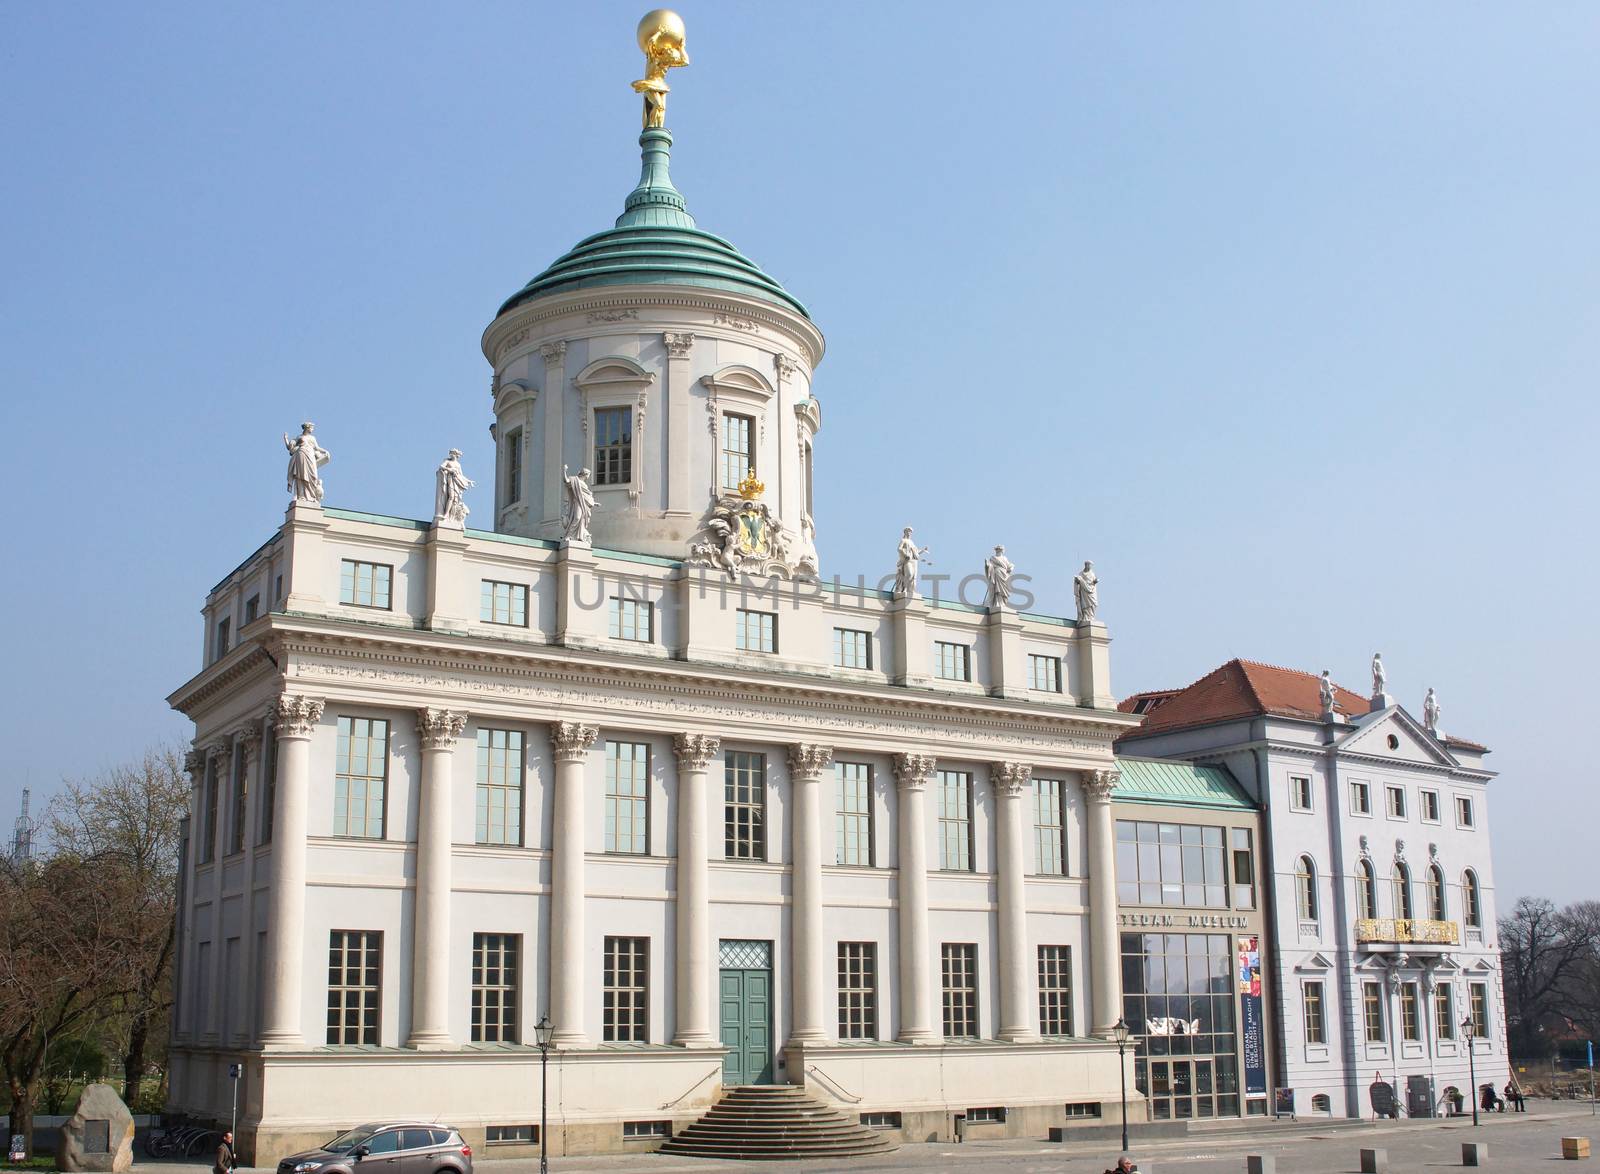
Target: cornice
(322,657)
(244,661)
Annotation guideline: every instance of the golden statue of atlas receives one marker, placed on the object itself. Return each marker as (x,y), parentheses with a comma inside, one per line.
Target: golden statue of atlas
(661,38)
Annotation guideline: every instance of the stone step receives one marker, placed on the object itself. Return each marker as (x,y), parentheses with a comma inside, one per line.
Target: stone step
(770,1122)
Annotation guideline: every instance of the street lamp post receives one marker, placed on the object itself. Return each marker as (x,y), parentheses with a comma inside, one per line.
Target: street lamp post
(1120,1033)
(541,1035)
(1472,1065)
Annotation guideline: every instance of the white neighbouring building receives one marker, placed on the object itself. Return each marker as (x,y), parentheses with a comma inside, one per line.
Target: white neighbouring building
(448,781)
(1380,892)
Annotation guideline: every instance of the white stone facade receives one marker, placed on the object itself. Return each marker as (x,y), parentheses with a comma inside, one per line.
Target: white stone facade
(258,908)
(1344,945)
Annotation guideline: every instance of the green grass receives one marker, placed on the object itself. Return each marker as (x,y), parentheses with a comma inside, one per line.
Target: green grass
(37,1162)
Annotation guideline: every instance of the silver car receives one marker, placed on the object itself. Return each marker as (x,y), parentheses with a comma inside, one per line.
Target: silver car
(387,1147)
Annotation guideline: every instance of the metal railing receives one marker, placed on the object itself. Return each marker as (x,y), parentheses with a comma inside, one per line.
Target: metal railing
(1408,931)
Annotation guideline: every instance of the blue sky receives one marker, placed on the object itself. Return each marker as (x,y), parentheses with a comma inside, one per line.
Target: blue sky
(1286,315)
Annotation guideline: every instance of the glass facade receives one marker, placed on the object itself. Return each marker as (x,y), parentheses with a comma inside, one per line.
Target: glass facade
(1179,999)
(1170,864)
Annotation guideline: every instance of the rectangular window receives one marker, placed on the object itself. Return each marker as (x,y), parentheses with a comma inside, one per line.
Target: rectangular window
(952,662)
(1055,990)
(1316,1032)
(208,833)
(958,974)
(1044,673)
(1395,797)
(882,1119)
(744,826)
(361,776)
(1300,792)
(1479,994)
(495,975)
(252,609)
(625,1001)
(642,1129)
(1171,864)
(628,797)
(1082,1108)
(1244,868)
(633,619)
(503,603)
(858,990)
(852,649)
(224,627)
(737,456)
(500,773)
(269,787)
(1049,828)
(514,466)
(1372,1010)
(757,631)
(511,1135)
(613,446)
(355,969)
(853,813)
(1463,811)
(1410,1028)
(364,584)
(238,794)
(992,1115)
(1444,1011)
(1360,799)
(1430,806)
(955,820)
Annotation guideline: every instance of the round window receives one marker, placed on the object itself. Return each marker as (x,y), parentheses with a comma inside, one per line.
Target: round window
(1394,742)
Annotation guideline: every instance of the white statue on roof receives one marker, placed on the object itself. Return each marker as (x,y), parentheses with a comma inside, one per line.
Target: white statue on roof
(998,570)
(1380,678)
(1430,712)
(1086,587)
(580,506)
(1326,685)
(907,556)
(450,493)
(306,456)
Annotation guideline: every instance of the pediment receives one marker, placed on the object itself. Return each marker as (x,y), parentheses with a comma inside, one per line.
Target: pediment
(739,380)
(613,372)
(1316,963)
(1394,734)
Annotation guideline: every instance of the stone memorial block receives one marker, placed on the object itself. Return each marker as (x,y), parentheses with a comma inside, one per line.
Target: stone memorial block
(1574,1148)
(1261,1164)
(99,1135)
(1474,1153)
(1374,1162)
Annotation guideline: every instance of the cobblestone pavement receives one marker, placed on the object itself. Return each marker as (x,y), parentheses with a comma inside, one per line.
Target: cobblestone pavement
(1517,1144)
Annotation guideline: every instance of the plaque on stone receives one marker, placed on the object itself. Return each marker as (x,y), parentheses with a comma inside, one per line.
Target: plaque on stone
(97,1137)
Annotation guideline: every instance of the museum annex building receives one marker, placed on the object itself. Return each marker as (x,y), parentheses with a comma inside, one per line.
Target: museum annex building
(627,761)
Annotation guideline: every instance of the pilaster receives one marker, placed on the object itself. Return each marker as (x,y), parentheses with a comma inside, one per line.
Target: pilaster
(908,614)
(452,599)
(581,607)
(307,578)
(554,398)
(1007,665)
(679,396)
(1093,648)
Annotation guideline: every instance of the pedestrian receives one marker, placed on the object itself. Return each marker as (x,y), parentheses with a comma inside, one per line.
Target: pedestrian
(1514,1095)
(1124,1165)
(225,1161)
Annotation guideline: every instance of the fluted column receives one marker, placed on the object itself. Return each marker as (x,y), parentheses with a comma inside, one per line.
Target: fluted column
(571,742)
(912,771)
(219,756)
(1104,941)
(437,730)
(296,718)
(810,968)
(187,1015)
(695,753)
(1012,781)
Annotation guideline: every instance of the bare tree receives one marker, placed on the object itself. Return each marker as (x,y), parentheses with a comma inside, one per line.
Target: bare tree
(1542,950)
(128,820)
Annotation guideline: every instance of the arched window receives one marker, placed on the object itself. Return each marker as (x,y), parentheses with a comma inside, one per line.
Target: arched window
(1322,1103)
(1471,902)
(1366,891)
(1435,892)
(1305,888)
(1402,890)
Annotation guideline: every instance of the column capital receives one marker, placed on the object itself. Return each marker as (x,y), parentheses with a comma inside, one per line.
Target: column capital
(1010,779)
(809,761)
(695,751)
(1098,784)
(785,365)
(439,728)
(913,771)
(194,764)
(249,739)
(554,352)
(679,343)
(219,748)
(572,740)
(295,716)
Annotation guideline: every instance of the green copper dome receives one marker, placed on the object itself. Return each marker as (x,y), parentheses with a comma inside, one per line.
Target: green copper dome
(655,242)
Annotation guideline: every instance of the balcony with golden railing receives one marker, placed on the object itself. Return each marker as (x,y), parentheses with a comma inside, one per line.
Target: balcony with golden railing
(1406,931)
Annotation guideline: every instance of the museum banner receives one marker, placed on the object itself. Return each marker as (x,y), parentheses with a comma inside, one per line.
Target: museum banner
(1254,1038)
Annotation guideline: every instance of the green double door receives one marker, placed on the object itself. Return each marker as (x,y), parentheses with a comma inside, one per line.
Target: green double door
(745,1004)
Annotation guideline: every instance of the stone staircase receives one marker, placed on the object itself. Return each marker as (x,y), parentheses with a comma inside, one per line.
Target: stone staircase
(772,1122)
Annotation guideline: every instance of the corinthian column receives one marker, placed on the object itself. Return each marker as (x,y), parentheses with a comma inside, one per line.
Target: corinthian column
(913,771)
(810,967)
(571,742)
(695,755)
(296,718)
(437,730)
(1105,961)
(1012,780)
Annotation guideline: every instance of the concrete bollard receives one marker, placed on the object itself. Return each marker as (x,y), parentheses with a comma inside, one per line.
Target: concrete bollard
(1374,1162)
(1260,1164)
(1474,1153)
(1573,1148)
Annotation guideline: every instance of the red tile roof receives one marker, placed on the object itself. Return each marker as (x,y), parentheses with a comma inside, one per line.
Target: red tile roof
(1240,689)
